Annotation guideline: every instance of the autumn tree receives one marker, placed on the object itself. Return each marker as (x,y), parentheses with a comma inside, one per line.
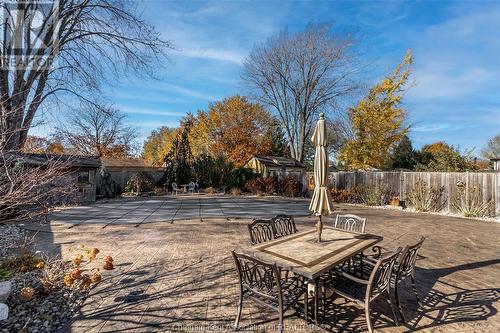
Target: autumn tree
(100,131)
(158,144)
(440,156)
(233,127)
(35,144)
(378,121)
(492,149)
(51,49)
(300,75)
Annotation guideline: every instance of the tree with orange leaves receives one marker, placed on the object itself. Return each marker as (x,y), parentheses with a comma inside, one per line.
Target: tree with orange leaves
(233,127)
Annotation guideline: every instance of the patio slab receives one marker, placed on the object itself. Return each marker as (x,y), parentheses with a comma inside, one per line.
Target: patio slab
(181,207)
(181,278)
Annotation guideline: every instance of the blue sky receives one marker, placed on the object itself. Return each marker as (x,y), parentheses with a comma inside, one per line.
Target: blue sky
(456,48)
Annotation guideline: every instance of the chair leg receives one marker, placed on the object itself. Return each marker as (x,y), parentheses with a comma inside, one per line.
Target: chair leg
(398,303)
(396,321)
(238,314)
(415,291)
(368,319)
(306,304)
(280,325)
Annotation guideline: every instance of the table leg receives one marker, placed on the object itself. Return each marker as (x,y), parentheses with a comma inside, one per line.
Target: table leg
(316,292)
(306,305)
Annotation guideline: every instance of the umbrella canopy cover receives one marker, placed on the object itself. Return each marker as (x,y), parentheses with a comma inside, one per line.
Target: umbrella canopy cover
(321,203)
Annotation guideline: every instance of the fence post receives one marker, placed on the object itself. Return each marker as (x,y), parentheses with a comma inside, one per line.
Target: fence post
(467,187)
(401,186)
(496,192)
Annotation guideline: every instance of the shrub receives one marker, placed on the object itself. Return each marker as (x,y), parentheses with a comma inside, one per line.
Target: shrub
(108,187)
(211,190)
(235,191)
(425,198)
(345,195)
(469,202)
(140,182)
(261,185)
(374,196)
(239,177)
(213,171)
(290,187)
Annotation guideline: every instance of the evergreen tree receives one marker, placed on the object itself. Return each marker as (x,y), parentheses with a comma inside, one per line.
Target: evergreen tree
(275,137)
(179,160)
(404,156)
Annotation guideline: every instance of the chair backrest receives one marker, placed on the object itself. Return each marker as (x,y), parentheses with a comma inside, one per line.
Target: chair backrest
(283,225)
(350,222)
(258,276)
(408,259)
(261,231)
(380,277)
(174,186)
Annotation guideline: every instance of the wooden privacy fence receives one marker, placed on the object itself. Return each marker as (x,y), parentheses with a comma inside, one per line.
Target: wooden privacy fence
(400,183)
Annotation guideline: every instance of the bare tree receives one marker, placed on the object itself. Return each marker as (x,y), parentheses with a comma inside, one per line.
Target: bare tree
(29,186)
(54,48)
(96,130)
(300,75)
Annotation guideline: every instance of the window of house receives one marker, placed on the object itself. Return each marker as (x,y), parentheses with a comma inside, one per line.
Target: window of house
(83,177)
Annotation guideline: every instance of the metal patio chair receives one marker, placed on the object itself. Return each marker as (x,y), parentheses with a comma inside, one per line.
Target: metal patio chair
(365,289)
(350,222)
(261,231)
(405,268)
(175,188)
(262,282)
(283,225)
(191,187)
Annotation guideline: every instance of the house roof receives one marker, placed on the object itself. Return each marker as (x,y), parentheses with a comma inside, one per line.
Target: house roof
(278,161)
(40,159)
(130,162)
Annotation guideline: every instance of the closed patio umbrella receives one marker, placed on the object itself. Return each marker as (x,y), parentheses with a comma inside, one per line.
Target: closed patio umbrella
(321,204)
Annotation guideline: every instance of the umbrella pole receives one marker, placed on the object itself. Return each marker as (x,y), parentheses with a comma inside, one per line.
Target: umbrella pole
(319,228)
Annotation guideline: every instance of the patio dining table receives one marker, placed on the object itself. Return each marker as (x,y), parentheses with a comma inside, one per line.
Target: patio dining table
(302,254)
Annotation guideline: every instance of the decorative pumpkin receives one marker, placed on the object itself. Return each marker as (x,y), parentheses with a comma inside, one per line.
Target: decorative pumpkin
(96,277)
(108,265)
(27,294)
(76,273)
(85,281)
(69,280)
(77,260)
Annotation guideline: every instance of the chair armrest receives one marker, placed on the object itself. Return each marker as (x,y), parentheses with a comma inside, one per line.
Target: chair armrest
(370,261)
(355,279)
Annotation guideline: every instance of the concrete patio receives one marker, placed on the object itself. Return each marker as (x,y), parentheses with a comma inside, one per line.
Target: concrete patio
(180,277)
(182,207)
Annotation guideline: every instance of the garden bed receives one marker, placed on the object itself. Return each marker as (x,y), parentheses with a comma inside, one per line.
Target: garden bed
(44,292)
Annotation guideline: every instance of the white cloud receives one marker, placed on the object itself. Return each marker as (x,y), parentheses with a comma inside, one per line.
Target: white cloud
(458,59)
(146,111)
(233,56)
(437,127)
(168,87)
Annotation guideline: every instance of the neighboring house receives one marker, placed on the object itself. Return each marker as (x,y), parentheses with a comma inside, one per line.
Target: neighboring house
(269,166)
(122,170)
(82,171)
(496,163)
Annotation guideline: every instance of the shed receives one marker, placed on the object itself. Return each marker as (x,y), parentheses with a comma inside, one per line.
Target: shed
(496,163)
(82,170)
(121,170)
(269,166)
